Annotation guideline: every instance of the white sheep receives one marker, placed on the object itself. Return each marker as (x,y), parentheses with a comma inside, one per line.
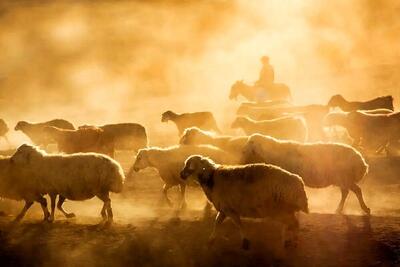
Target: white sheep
(78,176)
(169,162)
(319,164)
(13,185)
(287,128)
(253,190)
(203,120)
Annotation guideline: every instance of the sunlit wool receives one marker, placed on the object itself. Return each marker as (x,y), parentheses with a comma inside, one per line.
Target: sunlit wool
(319,164)
(170,161)
(253,190)
(75,176)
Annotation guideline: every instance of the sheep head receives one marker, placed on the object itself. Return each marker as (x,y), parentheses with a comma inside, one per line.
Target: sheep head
(141,161)
(21,125)
(25,154)
(235,90)
(194,135)
(336,101)
(199,166)
(3,127)
(167,115)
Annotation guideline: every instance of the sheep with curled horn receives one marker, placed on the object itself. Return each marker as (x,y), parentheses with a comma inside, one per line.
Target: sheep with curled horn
(369,131)
(287,128)
(35,131)
(169,162)
(385,102)
(203,120)
(78,176)
(319,164)
(253,190)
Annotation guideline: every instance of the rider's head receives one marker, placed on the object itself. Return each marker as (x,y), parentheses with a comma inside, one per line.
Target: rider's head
(264,60)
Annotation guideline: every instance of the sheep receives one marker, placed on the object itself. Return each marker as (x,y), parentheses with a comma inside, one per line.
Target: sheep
(313,115)
(290,128)
(14,186)
(231,144)
(319,164)
(370,131)
(87,139)
(169,162)
(202,120)
(253,190)
(127,136)
(4,130)
(35,130)
(376,103)
(77,176)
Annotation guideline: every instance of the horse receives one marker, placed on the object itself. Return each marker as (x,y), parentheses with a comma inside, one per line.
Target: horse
(278,91)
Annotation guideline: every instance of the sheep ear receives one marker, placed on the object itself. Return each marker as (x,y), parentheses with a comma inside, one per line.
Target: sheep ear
(20,158)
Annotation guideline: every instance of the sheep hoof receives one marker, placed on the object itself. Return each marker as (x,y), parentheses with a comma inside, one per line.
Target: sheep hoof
(70,215)
(246,244)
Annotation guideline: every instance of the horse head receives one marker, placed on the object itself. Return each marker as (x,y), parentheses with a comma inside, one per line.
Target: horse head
(235,89)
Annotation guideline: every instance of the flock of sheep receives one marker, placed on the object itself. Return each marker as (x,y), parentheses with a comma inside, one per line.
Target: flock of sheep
(259,174)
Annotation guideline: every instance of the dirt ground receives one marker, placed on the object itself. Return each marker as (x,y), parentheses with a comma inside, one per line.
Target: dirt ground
(149,233)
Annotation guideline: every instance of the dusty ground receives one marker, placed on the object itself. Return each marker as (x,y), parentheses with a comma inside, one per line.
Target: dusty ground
(148,233)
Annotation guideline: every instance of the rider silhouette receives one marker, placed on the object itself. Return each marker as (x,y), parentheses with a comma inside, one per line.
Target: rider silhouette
(266,78)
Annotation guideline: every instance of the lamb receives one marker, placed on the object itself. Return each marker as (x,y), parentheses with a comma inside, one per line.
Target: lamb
(127,136)
(253,190)
(4,130)
(88,139)
(169,162)
(78,176)
(231,144)
(202,120)
(35,131)
(319,164)
(289,128)
(14,186)
(376,103)
(370,131)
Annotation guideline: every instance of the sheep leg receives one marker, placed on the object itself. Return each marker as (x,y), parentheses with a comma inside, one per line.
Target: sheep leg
(61,200)
(219,219)
(106,208)
(52,206)
(183,198)
(345,192)
(165,191)
(238,223)
(26,207)
(43,204)
(357,190)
